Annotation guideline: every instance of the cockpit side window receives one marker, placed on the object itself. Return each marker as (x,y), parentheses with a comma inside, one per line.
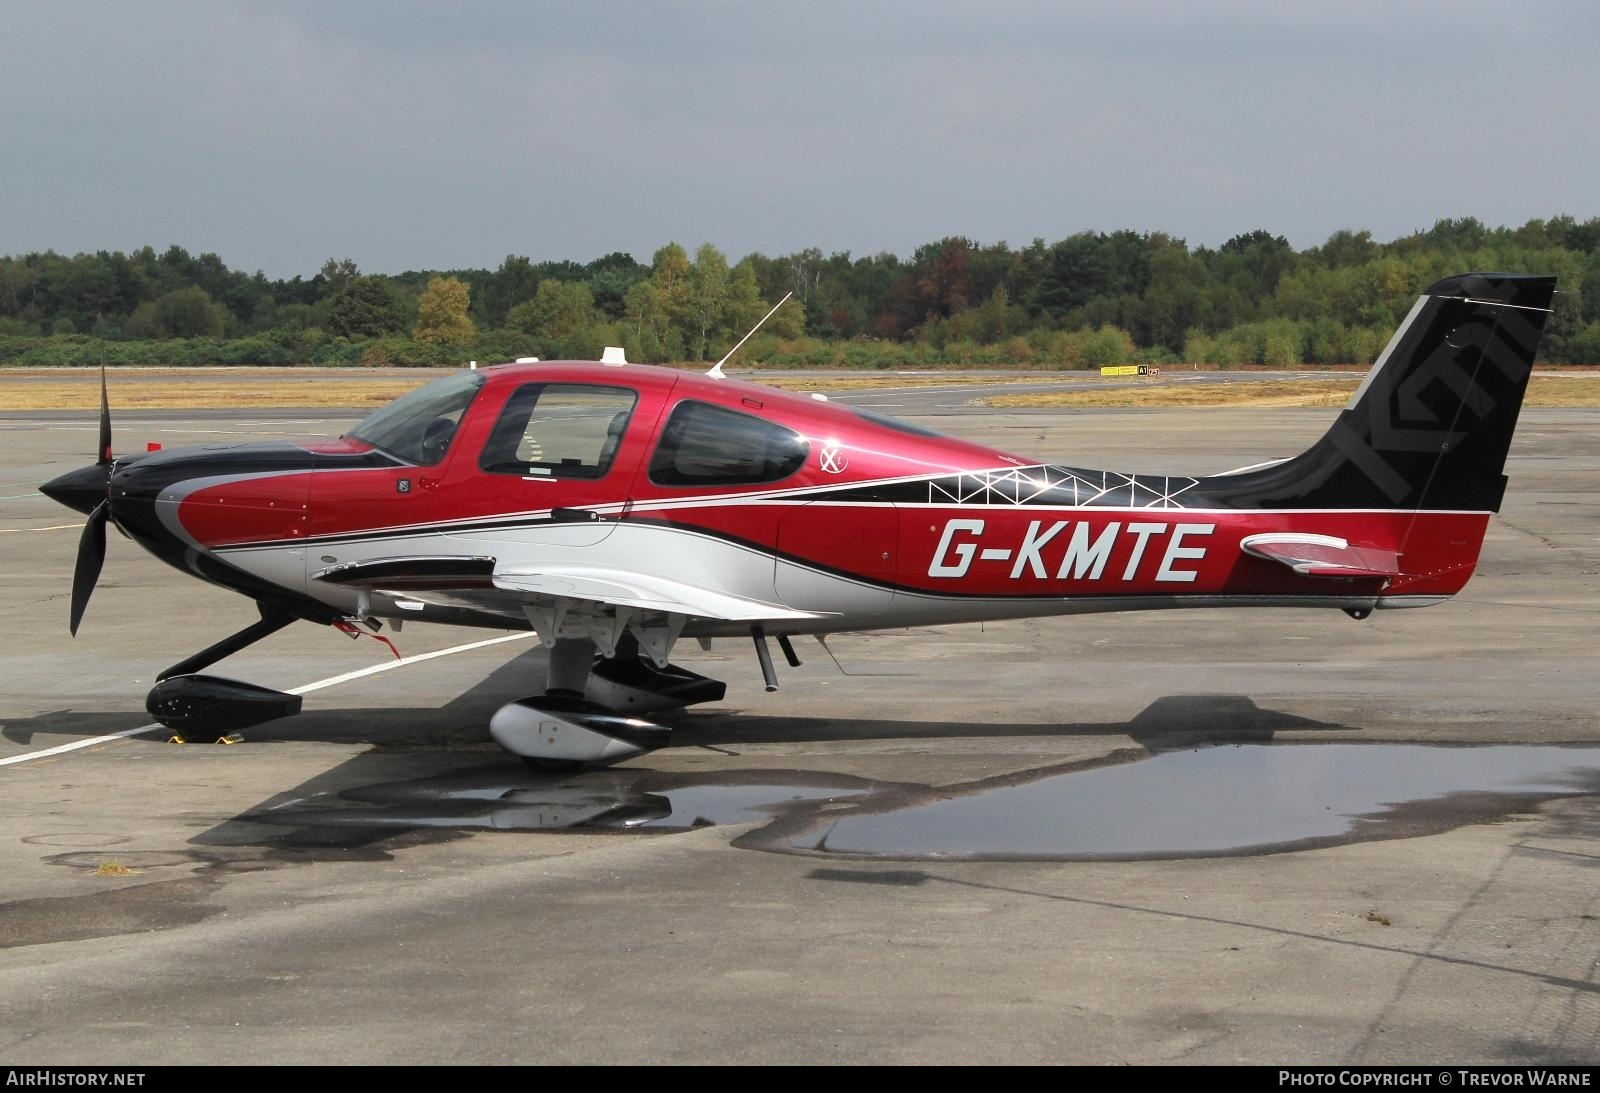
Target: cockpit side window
(418,426)
(706,445)
(559,430)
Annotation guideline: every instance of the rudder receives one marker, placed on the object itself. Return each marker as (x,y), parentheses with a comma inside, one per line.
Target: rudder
(1432,422)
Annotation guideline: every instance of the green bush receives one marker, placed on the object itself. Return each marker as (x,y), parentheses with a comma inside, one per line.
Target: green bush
(1584,346)
(1106,346)
(1272,342)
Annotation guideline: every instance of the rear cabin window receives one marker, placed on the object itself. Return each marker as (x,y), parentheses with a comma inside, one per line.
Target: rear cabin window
(559,430)
(706,445)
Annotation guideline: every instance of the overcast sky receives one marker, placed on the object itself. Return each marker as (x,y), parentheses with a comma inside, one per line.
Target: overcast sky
(428,136)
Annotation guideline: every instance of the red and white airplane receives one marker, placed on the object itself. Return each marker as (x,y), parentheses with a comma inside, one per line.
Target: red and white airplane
(616,509)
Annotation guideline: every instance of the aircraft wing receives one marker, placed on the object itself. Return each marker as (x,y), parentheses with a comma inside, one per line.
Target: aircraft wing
(477,581)
(1322,555)
(643,591)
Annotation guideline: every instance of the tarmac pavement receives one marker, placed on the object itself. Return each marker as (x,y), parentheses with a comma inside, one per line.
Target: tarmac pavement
(374,882)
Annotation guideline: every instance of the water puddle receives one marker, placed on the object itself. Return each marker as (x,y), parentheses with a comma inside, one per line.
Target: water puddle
(1241,799)
(506,798)
(1208,801)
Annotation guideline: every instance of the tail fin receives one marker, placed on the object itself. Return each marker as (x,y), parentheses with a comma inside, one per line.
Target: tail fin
(1430,426)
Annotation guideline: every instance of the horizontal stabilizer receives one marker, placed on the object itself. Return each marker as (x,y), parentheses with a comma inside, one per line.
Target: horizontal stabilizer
(1322,556)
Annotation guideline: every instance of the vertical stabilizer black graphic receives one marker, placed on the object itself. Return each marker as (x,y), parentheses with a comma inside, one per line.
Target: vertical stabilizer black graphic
(1431,425)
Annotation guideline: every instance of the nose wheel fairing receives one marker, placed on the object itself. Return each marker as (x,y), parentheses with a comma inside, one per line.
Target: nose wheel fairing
(199,704)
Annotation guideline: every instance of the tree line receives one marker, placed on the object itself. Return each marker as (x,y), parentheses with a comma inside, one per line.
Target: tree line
(1092,298)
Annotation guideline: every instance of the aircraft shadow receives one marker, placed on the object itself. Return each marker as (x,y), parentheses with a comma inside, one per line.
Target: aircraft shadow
(434,772)
(457,781)
(1175,721)
(463,719)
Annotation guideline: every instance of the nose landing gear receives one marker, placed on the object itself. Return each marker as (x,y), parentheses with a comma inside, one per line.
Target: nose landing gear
(197,705)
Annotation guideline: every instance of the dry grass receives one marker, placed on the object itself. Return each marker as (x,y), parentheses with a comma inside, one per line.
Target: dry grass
(874,381)
(1265,393)
(157,393)
(1563,391)
(205,389)
(1546,391)
(111,869)
(200,388)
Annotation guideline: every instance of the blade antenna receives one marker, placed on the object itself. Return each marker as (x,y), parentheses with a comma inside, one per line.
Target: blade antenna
(716,369)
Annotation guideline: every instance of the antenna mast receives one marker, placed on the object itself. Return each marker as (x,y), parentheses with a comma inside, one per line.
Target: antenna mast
(716,369)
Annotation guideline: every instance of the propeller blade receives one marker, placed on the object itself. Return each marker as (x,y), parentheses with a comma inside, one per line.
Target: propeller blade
(91,555)
(105,425)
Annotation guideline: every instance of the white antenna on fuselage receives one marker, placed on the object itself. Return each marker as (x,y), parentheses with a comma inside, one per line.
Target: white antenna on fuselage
(716,369)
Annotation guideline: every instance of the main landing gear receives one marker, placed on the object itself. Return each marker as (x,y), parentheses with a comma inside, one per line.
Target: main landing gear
(593,712)
(590,711)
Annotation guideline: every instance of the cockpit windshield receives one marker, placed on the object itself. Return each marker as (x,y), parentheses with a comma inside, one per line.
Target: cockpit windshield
(418,426)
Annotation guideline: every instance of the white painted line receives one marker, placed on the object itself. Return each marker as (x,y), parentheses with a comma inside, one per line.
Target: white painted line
(419,658)
(333,681)
(52,527)
(76,744)
(15,424)
(235,428)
